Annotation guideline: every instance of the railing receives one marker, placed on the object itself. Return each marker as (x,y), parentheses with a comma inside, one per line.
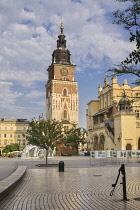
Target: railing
(109,134)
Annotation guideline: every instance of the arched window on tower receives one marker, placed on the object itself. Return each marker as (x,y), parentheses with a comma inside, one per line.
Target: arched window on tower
(64,78)
(65,114)
(65,92)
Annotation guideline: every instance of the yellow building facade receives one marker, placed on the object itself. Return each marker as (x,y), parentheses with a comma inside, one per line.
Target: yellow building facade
(11,132)
(113,121)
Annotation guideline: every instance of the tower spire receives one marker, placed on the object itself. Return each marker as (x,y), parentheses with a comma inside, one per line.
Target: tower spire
(61,27)
(61,55)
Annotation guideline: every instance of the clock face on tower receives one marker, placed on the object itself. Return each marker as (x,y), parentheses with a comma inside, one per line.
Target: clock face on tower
(64,71)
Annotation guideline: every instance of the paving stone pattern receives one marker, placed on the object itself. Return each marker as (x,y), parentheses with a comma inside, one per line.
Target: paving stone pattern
(76,188)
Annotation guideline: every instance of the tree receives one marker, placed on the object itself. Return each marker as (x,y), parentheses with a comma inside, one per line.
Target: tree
(130,19)
(44,133)
(75,136)
(11,148)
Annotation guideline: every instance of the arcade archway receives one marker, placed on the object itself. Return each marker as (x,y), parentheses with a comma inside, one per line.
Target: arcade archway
(95,145)
(101,142)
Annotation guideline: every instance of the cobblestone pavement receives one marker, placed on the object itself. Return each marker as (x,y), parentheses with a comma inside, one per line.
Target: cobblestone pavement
(76,188)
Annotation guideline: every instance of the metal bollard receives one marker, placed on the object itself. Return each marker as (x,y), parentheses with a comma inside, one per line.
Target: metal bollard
(61,166)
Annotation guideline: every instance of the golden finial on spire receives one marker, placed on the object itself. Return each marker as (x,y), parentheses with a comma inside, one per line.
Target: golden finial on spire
(61,27)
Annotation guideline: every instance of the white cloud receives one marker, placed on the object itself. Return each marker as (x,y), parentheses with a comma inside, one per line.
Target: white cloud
(26,46)
(35,94)
(28,35)
(7,96)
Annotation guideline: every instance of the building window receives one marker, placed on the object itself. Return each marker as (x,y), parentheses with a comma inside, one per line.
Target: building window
(4,135)
(24,128)
(18,128)
(65,92)
(11,135)
(18,135)
(11,128)
(65,114)
(5,142)
(5,128)
(138,114)
(24,142)
(10,142)
(96,120)
(66,128)
(18,142)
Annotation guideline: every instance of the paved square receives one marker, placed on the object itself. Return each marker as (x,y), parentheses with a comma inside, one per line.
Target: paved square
(76,188)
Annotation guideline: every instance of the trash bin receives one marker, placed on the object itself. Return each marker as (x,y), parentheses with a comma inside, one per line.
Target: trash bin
(61,166)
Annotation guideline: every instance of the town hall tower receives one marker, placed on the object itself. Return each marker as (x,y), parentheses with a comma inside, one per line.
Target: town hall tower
(61,88)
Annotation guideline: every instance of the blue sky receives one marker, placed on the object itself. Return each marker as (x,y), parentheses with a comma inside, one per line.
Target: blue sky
(28,34)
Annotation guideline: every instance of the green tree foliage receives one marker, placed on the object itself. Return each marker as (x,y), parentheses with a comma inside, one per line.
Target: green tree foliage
(44,133)
(130,19)
(75,136)
(11,148)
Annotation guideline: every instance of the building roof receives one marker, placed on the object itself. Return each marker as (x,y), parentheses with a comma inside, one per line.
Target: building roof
(65,122)
(61,55)
(12,119)
(103,111)
(124,101)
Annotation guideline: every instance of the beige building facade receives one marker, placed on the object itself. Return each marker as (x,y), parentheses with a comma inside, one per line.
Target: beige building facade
(61,88)
(113,121)
(11,132)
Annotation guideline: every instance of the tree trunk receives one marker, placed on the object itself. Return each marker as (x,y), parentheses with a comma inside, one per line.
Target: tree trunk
(77,149)
(46,156)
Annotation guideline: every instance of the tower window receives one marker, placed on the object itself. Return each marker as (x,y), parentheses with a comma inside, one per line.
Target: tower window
(63,56)
(57,57)
(65,92)
(65,114)
(64,78)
